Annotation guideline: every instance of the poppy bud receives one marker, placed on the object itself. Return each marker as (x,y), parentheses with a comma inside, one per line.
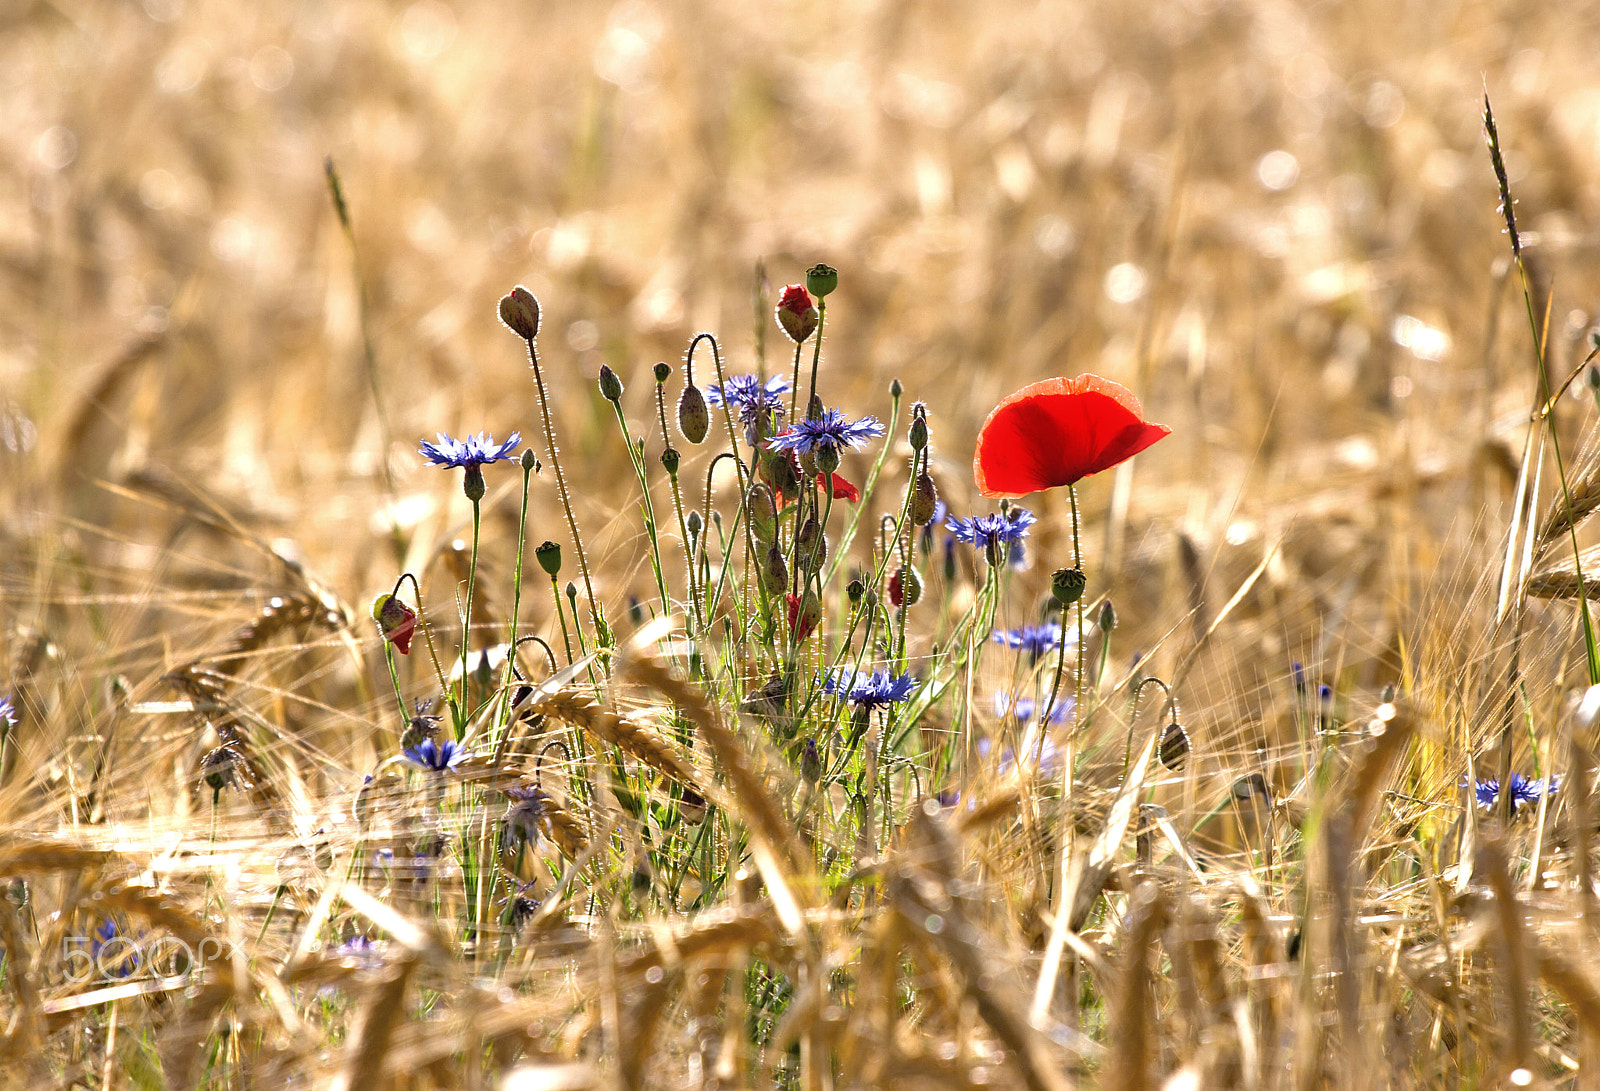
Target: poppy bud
(1174,745)
(803,614)
(520,312)
(472,483)
(797,315)
(530,461)
(663,372)
(694,524)
(813,544)
(694,419)
(572,595)
(810,762)
(549,557)
(774,573)
(669,459)
(779,472)
(905,587)
(396,620)
(919,433)
(1108,617)
(924,501)
(1066,585)
(826,458)
(821,279)
(610,385)
(763,513)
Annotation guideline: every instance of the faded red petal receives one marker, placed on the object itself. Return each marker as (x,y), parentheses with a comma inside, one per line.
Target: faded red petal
(1057,432)
(400,636)
(842,489)
(896,594)
(804,623)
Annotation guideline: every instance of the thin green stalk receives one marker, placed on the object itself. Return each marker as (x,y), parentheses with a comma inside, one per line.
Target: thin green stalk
(460,709)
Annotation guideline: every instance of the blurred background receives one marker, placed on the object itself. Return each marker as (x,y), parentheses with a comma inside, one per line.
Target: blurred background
(1276,222)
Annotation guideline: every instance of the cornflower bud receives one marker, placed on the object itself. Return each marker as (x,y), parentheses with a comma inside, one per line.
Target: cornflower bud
(919,432)
(821,279)
(1108,617)
(530,461)
(896,387)
(854,589)
(826,459)
(796,314)
(694,419)
(520,312)
(610,385)
(669,459)
(548,554)
(1066,585)
(663,372)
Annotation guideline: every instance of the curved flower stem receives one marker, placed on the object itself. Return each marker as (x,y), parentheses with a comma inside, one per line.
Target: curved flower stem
(602,633)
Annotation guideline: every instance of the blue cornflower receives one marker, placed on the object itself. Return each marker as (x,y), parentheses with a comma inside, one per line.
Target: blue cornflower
(478,450)
(990,532)
(122,963)
(876,690)
(1524,790)
(8,714)
(760,404)
(472,455)
(1023,708)
(830,432)
(1034,639)
(441,757)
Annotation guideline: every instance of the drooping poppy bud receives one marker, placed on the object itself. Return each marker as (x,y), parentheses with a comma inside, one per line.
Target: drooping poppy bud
(924,501)
(1067,584)
(797,315)
(548,554)
(812,543)
(821,279)
(810,762)
(905,587)
(763,514)
(1174,745)
(694,419)
(396,620)
(519,310)
(775,572)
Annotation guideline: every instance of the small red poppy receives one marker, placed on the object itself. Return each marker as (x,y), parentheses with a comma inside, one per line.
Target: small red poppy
(396,620)
(803,620)
(842,489)
(1057,432)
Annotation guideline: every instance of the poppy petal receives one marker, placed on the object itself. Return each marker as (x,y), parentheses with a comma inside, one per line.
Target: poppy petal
(1058,431)
(842,489)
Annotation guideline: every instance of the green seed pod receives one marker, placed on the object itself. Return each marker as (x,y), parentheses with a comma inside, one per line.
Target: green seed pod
(520,312)
(924,500)
(1066,585)
(610,385)
(548,554)
(821,279)
(694,419)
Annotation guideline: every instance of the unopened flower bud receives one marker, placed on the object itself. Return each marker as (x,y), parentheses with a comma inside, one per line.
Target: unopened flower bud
(1066,585)
(694,419)
(1108,617)
(520,312)
(669,459)
(763,514)
(694,523)
(779,472)
(775,572)
(548,554)
(610,385)
(797,315)
(530,461)
(905,587)
(810,762)
(572,595)
(919,433)
(663,372)
(1174,745)
(924,500)
(396,620)
(826,458)
(821,279)
(635,610)
(472,483)
(854,590)
(812,542)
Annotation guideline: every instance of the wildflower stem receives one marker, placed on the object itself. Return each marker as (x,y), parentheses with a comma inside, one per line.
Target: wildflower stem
(460,709)
(1061,646)
(794,387)
(602,633)
(561,616)
(816,350)
(848,536)
(636,458)
(516,603)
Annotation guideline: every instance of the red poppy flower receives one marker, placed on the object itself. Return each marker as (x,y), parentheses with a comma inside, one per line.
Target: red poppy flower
(397,621)
(1057,432)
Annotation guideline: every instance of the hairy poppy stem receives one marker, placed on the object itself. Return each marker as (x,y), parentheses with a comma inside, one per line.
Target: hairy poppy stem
(1061,645)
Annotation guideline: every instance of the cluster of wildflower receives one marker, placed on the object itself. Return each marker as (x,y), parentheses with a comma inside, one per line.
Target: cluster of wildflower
(877,689)
(1525,791)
